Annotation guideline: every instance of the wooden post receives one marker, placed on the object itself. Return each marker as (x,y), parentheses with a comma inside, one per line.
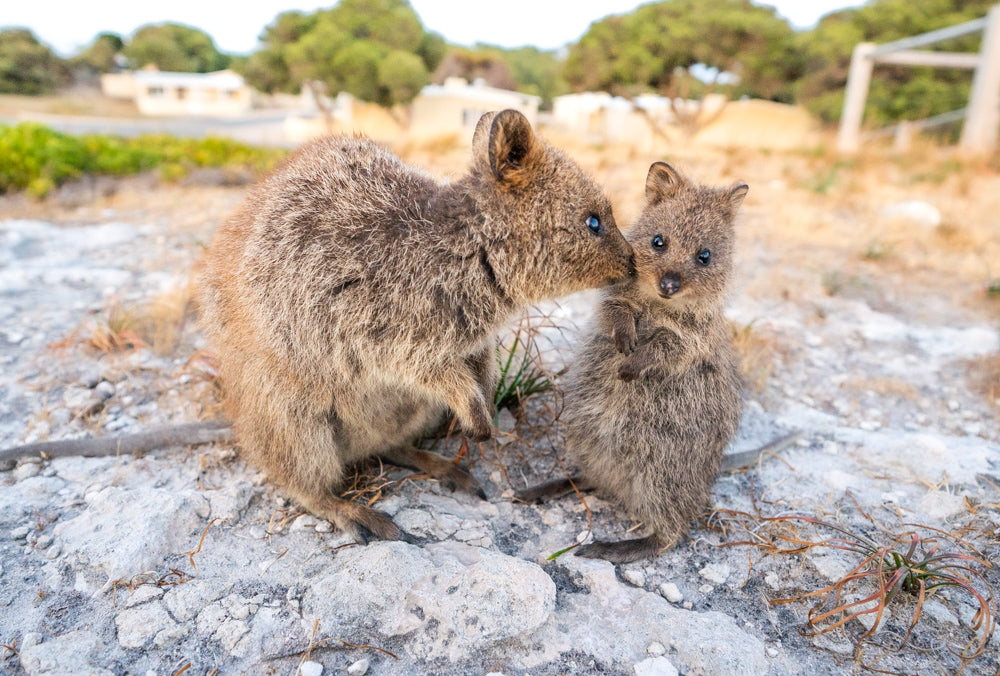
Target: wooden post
(858,79)
(979,134)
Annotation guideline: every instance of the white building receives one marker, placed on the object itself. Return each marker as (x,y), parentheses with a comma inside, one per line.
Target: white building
(219,94)
(456,106)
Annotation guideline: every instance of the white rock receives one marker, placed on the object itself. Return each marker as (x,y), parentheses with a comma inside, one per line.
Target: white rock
(324,526)
(136,626)
(634,577)
(67,655)
(26,470)
(772,652)
(941,505)
(185,601)
(706,589)
(917,212)
(457,599)
(310,668)
(655,649)
(359,668)
(303,522)
(230,632)
(126,531)
(20,533)
(716,572)
(655,666)
(670,592)
(170,635)
(142,594)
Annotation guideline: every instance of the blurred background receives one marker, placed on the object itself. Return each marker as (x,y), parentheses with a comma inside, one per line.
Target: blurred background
(615,71)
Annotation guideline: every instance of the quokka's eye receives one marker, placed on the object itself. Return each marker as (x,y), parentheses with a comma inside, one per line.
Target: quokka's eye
(658,242)
(593,224)
(704,257)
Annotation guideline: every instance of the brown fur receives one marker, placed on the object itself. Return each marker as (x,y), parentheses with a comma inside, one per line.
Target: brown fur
(352,298)
(653,398)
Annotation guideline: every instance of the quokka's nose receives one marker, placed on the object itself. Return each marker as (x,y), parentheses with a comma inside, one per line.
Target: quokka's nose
(669,285)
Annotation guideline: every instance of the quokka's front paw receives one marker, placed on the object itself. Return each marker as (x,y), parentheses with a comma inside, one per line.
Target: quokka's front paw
(625,338)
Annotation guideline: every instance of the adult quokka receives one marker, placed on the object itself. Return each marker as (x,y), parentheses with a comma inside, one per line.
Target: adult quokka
(654,395)
(352,298)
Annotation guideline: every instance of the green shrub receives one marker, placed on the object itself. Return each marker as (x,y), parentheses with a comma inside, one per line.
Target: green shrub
(38,159)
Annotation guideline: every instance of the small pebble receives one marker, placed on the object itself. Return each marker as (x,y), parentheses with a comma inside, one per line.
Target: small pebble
(43,542)
(324,527)
(655,649)
(311,668)
(54,552)
(257,532)
(26,471)
(772,652)
(706,589)
(687,605)
(952,405)
(359,668)
(670,592)
(305,521)
(105,390)
(636,578)
(20,533)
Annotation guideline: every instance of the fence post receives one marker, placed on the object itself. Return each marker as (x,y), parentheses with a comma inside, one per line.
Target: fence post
(858,79)
(979,133)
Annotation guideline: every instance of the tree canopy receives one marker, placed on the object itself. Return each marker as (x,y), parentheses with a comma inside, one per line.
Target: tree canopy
(174,47)
(375,49)
(654,46)
(100,55)
(27,66)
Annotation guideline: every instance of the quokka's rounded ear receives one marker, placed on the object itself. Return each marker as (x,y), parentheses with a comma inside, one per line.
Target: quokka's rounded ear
(662,182)
(510,147)
(736,195)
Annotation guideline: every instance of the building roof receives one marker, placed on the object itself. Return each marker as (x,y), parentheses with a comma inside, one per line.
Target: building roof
(480,92)
(221,79)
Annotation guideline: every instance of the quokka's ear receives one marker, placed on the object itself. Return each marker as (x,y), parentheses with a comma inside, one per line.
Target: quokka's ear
(736,195)
(662,182)
(510,147)
(481,137)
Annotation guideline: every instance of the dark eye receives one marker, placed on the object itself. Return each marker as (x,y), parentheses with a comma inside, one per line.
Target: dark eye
(658,242)
(705,257)
(594,224)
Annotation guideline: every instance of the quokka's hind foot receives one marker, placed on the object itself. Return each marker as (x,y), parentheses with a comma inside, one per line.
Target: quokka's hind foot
(551,490)
(625,551)
(360,522)
(437,467)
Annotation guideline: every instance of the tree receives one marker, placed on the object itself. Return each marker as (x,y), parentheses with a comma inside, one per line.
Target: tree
(655,46)
(896,92)
(27,66)
(99,57)
(174,47)
(358,46)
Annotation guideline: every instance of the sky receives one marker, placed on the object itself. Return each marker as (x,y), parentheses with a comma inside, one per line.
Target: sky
(69,25)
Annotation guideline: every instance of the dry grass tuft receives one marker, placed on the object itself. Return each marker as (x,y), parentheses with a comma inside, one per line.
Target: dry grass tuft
(162,320)
(117,330)
(898,569)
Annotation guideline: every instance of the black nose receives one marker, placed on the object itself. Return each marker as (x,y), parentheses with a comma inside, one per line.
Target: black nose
(669,286)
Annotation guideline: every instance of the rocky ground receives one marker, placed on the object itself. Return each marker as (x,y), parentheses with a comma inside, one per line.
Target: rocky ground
(188,560)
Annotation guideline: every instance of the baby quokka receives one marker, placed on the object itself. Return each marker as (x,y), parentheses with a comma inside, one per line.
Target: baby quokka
(352,299)
(653,397)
